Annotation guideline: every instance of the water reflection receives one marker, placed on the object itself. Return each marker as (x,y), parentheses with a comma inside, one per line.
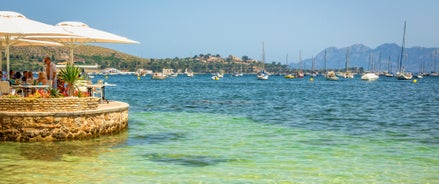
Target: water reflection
(69,150)
(155,138)
(186,160)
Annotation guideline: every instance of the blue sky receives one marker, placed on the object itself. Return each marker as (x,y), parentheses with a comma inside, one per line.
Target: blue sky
(184,28)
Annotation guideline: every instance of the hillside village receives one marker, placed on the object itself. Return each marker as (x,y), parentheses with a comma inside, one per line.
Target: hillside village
(383,58)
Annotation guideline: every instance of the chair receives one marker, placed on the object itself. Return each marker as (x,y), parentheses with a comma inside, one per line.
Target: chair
(49,82)
(5,88)
(97,92)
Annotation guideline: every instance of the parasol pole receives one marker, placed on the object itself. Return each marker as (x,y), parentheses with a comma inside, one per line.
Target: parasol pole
(1,57)
(71,55)
(7,62)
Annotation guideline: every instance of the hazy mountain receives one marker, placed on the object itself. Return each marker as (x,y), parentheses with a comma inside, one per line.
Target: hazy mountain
(383,57)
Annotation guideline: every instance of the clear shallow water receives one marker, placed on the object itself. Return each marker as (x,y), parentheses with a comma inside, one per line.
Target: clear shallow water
(241,130)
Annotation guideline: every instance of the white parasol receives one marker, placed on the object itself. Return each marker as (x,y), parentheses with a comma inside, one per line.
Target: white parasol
(25,42)
(82,33)
(15,26)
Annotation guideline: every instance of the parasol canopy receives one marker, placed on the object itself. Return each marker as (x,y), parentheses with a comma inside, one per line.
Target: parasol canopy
(81,34)
(28,42)
(15,26)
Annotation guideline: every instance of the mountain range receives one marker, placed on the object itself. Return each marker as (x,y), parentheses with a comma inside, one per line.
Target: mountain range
(385,57)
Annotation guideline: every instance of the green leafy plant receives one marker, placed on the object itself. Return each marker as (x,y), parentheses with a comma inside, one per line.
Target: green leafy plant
(54,93)
(70,75)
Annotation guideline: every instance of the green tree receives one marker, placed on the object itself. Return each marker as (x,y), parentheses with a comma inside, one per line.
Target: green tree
(70,75)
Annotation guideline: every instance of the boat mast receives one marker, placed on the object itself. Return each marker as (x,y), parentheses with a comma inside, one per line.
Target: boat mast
(402,49)
(379,63)
(313,64)
(325,61)
(300,60)
(347,60)
(370,61)
(372,64)
(263,56)
(434,59)
(389,66)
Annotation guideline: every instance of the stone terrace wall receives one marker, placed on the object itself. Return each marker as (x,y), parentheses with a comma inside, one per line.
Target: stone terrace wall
(67,125)
(48,104)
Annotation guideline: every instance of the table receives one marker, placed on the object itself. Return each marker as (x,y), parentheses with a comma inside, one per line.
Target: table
(100,86)
(27,88)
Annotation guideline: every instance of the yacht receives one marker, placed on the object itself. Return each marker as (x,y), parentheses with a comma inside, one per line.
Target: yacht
(158,76)
(331,76)
(369,76)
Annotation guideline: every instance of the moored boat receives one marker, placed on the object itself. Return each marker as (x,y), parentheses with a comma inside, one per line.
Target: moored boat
(331,76)
(289,76)
(369,76)
(388,74)
(215,77)
(158,76)
(190,74)
(402,75)
(262,75)
(173,75)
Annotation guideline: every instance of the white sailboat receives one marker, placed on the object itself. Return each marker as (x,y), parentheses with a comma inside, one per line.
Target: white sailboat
(402,75)
(188,72)
(158,76)
(173,75)
(348,74)
(300,73)
(314,73)
(238,74)
(331,74)
(389,73)
(370,75)
(263,75)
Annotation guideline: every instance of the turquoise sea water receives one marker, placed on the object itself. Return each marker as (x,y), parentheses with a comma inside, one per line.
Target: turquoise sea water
(241,130)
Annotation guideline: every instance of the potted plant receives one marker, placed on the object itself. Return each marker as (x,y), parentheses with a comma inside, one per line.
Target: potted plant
(70,75)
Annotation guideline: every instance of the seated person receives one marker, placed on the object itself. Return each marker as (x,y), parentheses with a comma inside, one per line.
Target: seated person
(30,75)
(11,74)
(24,77)
(30,78)
(17,76)
(42,80)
